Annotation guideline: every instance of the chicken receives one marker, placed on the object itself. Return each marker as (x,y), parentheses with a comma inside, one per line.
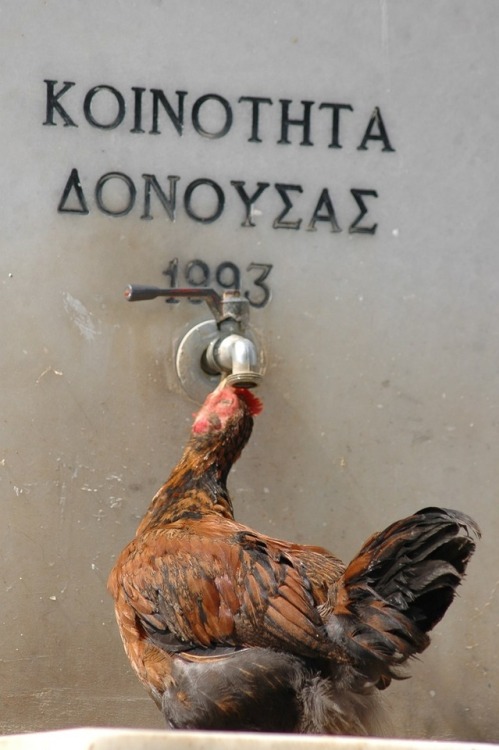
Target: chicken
(230,629)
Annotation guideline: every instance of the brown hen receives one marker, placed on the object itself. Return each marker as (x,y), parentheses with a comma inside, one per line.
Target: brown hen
(231,629)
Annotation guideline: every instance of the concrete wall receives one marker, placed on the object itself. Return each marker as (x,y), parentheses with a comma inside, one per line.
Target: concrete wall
(381,391)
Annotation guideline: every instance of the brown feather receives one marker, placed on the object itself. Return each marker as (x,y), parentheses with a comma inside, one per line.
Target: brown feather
(229,628)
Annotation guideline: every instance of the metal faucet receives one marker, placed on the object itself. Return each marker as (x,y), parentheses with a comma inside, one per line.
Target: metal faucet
(227,350)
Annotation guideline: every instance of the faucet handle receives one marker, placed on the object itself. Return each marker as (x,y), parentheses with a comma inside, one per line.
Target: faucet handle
(230,306)
(139,292)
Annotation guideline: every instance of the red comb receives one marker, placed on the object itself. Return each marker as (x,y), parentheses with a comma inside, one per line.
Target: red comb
(253,403)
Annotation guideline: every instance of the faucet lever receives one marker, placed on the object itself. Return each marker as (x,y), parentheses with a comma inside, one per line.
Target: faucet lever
(139,292)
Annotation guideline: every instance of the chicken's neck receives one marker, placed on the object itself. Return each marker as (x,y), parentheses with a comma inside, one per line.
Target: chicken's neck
(196,487)
(198,484)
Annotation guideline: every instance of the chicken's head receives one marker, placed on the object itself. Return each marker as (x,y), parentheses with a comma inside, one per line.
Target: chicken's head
(224,407)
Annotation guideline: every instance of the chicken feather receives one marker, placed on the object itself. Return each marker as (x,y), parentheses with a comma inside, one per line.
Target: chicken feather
(231,629)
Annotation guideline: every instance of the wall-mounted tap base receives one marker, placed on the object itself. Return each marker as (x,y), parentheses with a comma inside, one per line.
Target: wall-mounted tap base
(197,381)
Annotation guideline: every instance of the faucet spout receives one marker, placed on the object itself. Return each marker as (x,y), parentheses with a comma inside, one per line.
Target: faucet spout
(236,356)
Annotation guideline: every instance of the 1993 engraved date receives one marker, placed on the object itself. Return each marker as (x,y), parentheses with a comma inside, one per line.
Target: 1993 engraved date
(226,275)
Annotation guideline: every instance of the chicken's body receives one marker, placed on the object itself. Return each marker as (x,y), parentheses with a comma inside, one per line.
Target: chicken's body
(231,629)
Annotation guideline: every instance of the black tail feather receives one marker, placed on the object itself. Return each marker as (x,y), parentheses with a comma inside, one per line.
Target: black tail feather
(398,588)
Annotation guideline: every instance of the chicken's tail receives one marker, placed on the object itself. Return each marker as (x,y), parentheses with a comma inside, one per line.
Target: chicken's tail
(397,589)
